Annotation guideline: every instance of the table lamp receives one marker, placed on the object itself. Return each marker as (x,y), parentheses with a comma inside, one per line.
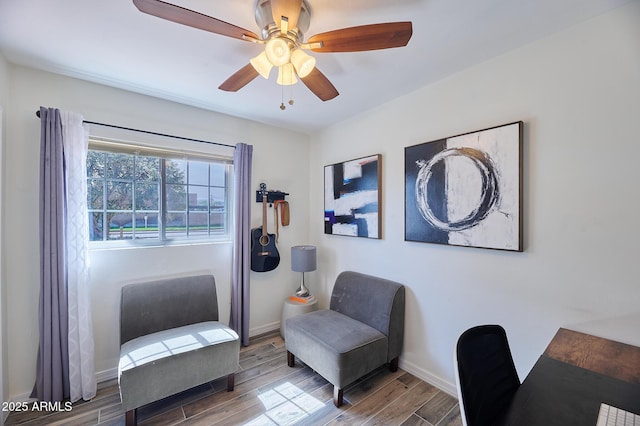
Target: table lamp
(303,259)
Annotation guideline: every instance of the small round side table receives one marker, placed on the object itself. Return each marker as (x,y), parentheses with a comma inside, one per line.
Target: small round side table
(292,308)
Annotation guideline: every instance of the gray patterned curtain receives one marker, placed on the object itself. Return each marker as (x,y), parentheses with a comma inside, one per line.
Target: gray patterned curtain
(52,370)
(65,364)
(239,320)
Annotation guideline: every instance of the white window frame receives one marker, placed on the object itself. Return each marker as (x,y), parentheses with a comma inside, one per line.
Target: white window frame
(132,148)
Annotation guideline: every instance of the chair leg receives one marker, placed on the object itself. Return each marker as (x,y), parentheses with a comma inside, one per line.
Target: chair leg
(231,380)
(337,397)
(291,359)
(130,418)
(393,364)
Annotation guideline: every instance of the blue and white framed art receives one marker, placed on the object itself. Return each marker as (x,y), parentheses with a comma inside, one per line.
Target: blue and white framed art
(466,190)
(352,197)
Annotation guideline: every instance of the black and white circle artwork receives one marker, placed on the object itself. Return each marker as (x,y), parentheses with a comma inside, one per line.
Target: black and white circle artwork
(466,190)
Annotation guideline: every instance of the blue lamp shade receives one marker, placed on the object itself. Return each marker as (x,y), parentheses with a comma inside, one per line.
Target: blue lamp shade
(303,258)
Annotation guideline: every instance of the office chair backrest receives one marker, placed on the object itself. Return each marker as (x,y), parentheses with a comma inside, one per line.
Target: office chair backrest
(486,376)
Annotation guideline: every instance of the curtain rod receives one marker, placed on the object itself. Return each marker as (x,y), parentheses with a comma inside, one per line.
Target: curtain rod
(151,133)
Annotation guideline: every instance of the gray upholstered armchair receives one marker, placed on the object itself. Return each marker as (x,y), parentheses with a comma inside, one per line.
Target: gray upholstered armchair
(171,340)
(362,330)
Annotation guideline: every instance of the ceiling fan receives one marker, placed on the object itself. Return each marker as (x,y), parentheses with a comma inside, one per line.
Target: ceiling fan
(283,24)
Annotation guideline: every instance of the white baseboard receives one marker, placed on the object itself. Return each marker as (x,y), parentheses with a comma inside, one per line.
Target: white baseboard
(103,376)
(267,328)
(430,378)
(24,397)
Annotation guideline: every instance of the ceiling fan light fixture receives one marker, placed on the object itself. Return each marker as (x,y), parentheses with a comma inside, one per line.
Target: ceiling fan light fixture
(302,62)
(282,24)
(261,64)
(278,51)
(286,75)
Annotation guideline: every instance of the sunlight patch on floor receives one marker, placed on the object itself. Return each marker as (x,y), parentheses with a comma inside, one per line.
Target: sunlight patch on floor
(285,404)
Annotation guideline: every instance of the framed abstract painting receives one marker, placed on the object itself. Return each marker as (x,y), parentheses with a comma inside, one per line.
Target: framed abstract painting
(466,190)
(352,197)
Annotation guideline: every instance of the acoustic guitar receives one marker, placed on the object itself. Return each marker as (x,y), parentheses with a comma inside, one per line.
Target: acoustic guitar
(264,254)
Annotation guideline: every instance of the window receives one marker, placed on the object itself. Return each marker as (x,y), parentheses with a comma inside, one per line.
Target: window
(138,193)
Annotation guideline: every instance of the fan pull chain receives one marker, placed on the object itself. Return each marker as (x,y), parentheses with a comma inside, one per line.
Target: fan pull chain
(291,93)
(282,105)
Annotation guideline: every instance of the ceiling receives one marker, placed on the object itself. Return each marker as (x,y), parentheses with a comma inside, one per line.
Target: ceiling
(112,43)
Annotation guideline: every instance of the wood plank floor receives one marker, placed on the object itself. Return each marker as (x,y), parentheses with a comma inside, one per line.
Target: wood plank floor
(268,392)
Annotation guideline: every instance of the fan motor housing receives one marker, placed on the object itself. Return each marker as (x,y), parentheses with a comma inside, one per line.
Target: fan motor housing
(264,19)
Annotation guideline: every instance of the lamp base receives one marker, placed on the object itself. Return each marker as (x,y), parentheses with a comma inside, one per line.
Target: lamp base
(302,291)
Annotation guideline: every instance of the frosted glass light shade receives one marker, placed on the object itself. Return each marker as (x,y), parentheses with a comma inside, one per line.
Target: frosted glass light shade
(277,51)
(302,62)
(286,75)
(303,258)
(262,64)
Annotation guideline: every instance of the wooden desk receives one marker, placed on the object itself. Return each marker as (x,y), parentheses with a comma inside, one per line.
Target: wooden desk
(604,356)
(574,375)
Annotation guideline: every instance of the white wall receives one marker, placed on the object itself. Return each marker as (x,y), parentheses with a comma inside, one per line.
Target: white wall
(276,162)
(4,95)
(578,93)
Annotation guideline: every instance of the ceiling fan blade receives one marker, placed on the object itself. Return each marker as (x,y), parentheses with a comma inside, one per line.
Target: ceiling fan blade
(288,8)
(190,18)
(365,37)
(320,85)
(241,78)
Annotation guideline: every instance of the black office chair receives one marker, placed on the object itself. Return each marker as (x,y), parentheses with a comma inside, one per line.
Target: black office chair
(486,376)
